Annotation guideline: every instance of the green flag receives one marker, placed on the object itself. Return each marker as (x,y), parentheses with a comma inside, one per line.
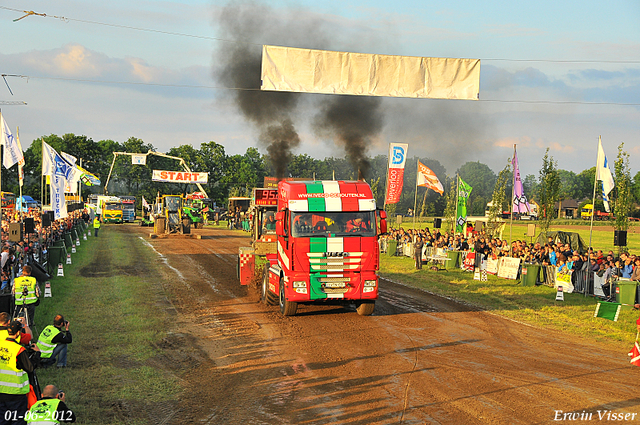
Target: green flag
(609,311)
(464,190)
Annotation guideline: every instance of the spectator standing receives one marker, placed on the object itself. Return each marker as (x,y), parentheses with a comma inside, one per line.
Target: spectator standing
(26,292)
(14,380)
(96,225)
(417,252)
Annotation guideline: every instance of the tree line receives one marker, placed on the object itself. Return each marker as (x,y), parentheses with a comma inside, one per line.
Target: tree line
(237,175)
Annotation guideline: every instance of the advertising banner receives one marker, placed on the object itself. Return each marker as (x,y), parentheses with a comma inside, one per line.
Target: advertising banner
(395,178)
(180,177)
(508,267)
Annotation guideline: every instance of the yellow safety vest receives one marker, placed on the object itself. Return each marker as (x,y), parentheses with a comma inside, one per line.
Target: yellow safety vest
(96,223)
(43,412)
(12,380)
(19,284)
(44,341)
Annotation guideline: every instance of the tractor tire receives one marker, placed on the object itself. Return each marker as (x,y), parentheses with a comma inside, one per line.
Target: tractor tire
(287,308)
(266,296)
(365,308)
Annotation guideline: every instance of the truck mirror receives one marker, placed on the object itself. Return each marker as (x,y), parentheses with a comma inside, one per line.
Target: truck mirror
(280,223)
(383,214)
(383,224)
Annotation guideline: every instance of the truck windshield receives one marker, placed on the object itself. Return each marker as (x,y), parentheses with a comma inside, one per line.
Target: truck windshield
(358,223)
(111,206)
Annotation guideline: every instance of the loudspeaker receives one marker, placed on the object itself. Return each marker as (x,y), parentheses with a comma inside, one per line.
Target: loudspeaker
(478,226)
(619,238)
(15,232)
(531,229)
(38,272)
(46,219)
(29,226)
(437,223)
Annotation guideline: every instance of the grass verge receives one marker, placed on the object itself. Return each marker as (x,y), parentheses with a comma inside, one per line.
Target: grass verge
(533,305)
(109,295)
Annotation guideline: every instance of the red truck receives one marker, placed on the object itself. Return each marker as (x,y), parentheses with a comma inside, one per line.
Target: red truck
(325,249)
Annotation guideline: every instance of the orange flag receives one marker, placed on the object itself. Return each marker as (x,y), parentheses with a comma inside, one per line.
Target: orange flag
(428,178)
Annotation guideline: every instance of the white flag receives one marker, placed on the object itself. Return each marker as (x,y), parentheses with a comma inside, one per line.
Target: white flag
(59,170)
(12,152)
(21,162)
(145,204)
(603,173)
(74,175)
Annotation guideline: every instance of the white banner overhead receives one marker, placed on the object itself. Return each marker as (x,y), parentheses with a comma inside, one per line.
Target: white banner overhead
(320,71)
(180,177)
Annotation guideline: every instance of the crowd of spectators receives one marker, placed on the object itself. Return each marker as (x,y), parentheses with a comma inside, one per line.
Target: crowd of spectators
(32,246)
(551,253)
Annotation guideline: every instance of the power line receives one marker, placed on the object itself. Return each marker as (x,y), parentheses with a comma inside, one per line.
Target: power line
(190,86)
(204,37)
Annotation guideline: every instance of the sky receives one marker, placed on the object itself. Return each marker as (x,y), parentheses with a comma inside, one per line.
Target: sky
(553,74)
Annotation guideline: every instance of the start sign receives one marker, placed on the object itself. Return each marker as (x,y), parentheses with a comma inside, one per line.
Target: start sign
(179,177)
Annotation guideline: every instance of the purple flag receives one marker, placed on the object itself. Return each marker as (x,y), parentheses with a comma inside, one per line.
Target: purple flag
(520,203)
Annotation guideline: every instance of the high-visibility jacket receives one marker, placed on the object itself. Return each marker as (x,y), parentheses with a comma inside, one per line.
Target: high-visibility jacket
(4,334)
(22,282)
(43,412)
(12,380)
(44,341)
(96,223)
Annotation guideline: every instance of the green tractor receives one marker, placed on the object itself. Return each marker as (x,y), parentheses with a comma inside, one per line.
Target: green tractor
(195,207)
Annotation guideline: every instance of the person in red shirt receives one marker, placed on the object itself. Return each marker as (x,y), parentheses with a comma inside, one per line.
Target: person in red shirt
(355,225)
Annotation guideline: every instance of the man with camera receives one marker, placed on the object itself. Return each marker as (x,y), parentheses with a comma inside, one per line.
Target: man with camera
(53,342)
(51,408)
(15,365)
(25,335)
(26,293)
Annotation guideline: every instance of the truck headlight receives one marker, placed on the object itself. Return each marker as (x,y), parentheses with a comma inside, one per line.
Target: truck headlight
(370,283)
(300,286)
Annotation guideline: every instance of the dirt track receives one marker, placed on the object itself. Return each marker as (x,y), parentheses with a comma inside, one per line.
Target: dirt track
(419,359)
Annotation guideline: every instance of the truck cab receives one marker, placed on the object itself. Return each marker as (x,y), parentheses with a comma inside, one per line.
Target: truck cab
(327,245)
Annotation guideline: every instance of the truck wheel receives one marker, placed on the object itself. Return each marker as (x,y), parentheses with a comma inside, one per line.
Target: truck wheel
(199,225)
(365,308)
(287,308)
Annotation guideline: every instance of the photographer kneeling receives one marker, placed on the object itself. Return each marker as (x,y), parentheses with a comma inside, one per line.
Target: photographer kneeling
(53,342)
(51,409)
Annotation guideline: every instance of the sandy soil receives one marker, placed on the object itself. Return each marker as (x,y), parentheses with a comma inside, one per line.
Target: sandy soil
(419,359)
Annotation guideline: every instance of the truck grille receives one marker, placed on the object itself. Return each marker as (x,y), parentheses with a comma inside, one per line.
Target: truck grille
(334,261)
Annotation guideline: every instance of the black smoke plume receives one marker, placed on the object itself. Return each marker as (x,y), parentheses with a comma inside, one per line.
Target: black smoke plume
(352,121)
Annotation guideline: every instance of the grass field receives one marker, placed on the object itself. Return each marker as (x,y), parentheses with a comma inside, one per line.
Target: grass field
(535,305)
(109,295)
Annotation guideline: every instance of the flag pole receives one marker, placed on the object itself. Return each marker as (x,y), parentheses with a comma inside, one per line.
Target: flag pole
(513,194)
(415,199)
(2,124)
(20,183)
(42,177)
(593,202)
(386,184)
(455,218)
